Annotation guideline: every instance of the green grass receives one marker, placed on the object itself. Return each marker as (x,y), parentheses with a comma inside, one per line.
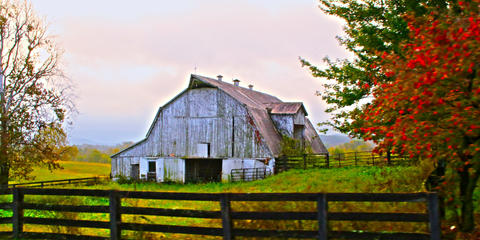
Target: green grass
(354,179)
(70,169)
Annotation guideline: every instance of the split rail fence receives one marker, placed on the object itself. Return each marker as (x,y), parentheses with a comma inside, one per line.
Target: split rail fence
(346,159)
(115,209)
(41,184)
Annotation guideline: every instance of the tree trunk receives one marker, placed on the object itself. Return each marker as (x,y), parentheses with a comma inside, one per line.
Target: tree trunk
(467,186)
(4,174)
(4,161)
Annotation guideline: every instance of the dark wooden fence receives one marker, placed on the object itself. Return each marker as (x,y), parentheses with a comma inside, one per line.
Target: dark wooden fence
(249,174)
(346,159)
(321,215)
(41,184)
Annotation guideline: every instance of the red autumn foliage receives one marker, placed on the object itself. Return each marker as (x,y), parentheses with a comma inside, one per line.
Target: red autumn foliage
(437,79)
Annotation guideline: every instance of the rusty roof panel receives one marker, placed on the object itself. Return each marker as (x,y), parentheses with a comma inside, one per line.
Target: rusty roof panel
(267,129)
(312,137)
(286,107)
(246,96)
(257,104)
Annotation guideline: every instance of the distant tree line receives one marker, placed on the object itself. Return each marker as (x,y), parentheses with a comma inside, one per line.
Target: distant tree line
(93,153)
(355,145)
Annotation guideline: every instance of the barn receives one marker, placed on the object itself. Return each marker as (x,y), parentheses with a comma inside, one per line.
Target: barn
(214,128)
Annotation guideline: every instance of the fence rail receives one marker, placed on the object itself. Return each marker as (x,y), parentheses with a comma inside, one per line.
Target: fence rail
(41,184)
(249,174)
(366,158)
(321,215)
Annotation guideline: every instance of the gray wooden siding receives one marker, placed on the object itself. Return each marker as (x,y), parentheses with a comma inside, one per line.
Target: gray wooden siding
(203,115)
(299,118)
(284,123)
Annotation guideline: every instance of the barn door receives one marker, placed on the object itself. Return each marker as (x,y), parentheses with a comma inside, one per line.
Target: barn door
(135,171)
(203,170)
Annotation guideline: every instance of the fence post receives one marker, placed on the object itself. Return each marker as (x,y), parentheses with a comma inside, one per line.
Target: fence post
(339,164)
(389,157)
(304,161)
(115,216)
(328,160)
(226,218)
(322,209)
(373,160)
(355,158)
(17,218)
(434,216)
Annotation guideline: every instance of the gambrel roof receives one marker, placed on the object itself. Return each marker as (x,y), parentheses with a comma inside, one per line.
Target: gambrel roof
(259,106)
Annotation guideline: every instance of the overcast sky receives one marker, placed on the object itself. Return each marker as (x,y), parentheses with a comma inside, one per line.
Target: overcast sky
(128,58)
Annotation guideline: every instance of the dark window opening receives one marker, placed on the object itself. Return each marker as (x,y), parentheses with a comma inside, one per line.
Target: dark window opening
(152,171)
(203,170)
(152,166)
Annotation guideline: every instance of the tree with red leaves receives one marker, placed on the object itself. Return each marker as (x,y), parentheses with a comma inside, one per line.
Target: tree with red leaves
(433,99)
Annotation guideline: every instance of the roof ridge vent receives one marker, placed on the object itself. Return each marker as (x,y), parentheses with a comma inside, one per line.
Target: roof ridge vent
(236,82)
(219,78)
(250,86)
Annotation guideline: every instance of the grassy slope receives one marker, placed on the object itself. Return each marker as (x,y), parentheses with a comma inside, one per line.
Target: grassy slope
(356,179)
(70,169)
(360,179)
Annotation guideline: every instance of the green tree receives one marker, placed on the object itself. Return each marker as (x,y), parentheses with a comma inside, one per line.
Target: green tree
(433,98)
(371,26)
(34,102)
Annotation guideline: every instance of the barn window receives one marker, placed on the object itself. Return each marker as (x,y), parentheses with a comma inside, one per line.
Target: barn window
(203,150)
(152,171)
(151,166)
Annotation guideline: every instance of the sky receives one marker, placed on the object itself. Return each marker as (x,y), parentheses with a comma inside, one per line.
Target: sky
(128,58)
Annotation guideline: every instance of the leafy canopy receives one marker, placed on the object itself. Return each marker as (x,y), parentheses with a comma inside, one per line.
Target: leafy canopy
(432,102)
(34,94)
(370,26)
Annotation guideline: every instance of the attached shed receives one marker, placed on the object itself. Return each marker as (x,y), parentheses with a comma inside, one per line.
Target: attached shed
(211,128)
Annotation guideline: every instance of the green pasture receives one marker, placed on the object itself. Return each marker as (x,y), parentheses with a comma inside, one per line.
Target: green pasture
(69,169)
(395,179)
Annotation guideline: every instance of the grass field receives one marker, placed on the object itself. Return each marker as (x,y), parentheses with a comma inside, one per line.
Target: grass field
(354,179)
(70,169)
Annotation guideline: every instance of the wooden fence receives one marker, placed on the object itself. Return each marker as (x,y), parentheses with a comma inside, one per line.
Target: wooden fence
(320,216)
(366,158)
(41,184)
(249,174)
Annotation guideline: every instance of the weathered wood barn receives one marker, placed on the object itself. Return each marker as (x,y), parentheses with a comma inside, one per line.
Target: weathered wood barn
(212,128)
